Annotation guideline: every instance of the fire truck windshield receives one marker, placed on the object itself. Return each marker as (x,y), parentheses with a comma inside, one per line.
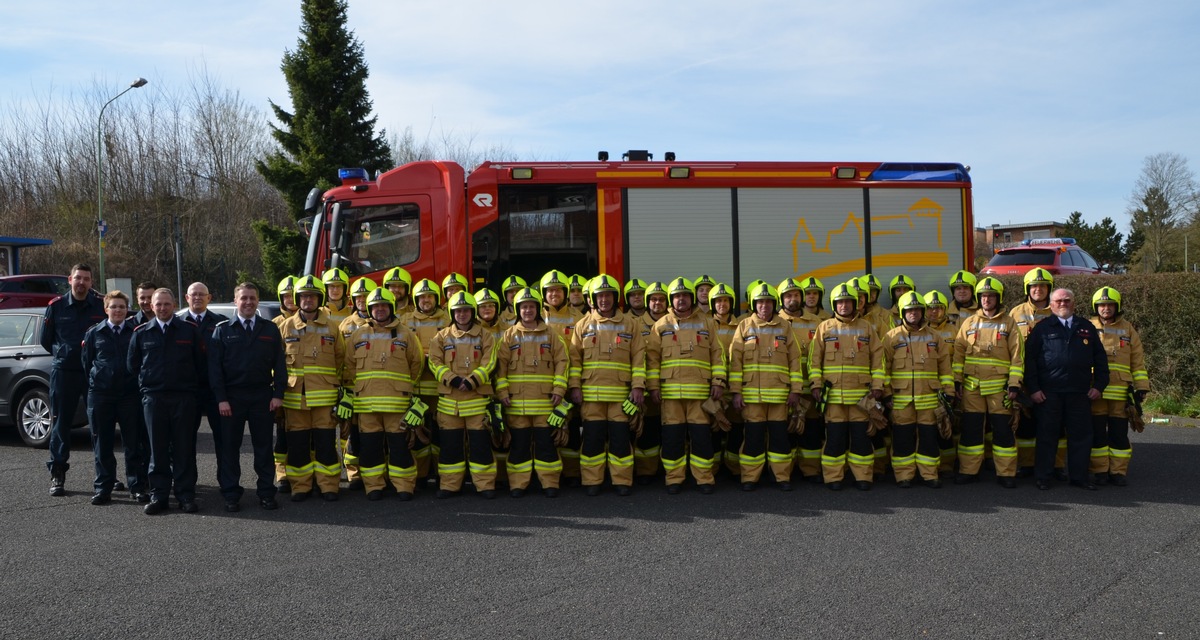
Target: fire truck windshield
(380,237)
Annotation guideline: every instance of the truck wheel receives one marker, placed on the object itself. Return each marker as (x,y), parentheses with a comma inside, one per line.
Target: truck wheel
(33,418)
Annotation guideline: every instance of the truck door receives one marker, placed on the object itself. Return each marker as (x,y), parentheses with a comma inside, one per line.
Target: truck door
(544,227)
(374,238)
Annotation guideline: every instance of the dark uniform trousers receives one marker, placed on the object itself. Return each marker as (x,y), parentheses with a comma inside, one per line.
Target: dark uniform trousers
(104,412)
(1075,411)
(253,407)
(171,420)
(66,388)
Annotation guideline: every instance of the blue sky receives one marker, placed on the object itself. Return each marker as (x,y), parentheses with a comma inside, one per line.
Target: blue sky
(1053,105)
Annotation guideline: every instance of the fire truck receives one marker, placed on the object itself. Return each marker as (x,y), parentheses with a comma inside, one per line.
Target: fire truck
(654,220)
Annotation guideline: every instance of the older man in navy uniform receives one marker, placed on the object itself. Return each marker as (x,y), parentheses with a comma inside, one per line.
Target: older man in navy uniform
(247,375)
(1065,369)
(166,357)
(67,319)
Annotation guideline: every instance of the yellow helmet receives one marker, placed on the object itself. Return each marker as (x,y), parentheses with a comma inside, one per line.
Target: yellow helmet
(285,287)
(656,288)
(679,286)
(455,279)
(990,285)
(486,296)
(869,281)
(462,300)
(788,284)
(911,300)
(936,299)
(335,276)
(309,284)
(364,286)
(634,286)
(577,282)
(527,294)
(513,282)
(1037,276)
(1106,295)
(750,287)
(604,283)
(397,275)
(553,278)
(381,295)
(844,291)
(765,291)
(902,280)
(704,280)
(963,278)
(425,287)
(812,284)
(722,290)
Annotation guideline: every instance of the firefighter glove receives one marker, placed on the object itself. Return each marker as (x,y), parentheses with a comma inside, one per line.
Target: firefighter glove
(345,404)
(558,417)
(629,407)
(415,416)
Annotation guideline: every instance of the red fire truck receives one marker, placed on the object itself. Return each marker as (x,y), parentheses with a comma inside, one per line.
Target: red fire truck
(734,221)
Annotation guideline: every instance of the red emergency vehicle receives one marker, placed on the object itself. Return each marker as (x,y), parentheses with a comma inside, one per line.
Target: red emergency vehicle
(734,221)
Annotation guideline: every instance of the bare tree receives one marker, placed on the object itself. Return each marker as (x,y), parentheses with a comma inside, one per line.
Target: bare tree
(1163,200)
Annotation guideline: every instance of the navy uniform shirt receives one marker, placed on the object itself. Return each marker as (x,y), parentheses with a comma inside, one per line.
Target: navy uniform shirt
(1058,360)
(104,355)
(241,361)
(170,361)
(64,324)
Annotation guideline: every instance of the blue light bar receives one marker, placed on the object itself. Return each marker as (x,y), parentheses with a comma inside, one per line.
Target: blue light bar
(355,173)
(920,172)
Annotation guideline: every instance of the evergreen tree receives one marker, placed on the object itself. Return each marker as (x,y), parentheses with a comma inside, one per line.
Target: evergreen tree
(330,124)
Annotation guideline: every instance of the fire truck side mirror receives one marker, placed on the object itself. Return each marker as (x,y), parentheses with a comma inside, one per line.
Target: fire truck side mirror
(312,201)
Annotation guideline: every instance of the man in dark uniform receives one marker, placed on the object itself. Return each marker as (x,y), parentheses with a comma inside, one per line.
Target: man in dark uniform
(67,318)
(198,314)
(247,375)
(113,397)
(1065,369)
(165,356)
(145,291)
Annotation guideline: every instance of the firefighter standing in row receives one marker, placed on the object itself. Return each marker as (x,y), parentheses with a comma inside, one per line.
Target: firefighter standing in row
(880,318)
(1111,450)
(1034,309)
(337,303)
(918,366)
(531,381)
(703,284)
(113,397)
(315,354)
(399,282)
(607,378)
(796,299)
(728,445)
(67,318)
(562,318)
(384,359)
(962,296)
(901,284)
(845,363)
(510,287)
(577,294)
(247,374)
(487,308)
(348,429)
(684,366)
(947,330)
(647,447)
(989,366)
(287,308)
(426,320)
(766,376)
(463,357)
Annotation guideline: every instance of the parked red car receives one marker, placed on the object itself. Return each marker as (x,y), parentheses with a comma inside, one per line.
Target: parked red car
(32,290)
(1059,256)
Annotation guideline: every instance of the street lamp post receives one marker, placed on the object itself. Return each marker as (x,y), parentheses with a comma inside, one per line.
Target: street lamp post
(101,227)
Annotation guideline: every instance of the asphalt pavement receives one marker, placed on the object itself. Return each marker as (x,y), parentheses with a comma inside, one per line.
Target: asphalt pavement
(975,561)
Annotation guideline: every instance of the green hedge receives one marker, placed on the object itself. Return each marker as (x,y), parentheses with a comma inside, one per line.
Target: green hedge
(1165,309)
